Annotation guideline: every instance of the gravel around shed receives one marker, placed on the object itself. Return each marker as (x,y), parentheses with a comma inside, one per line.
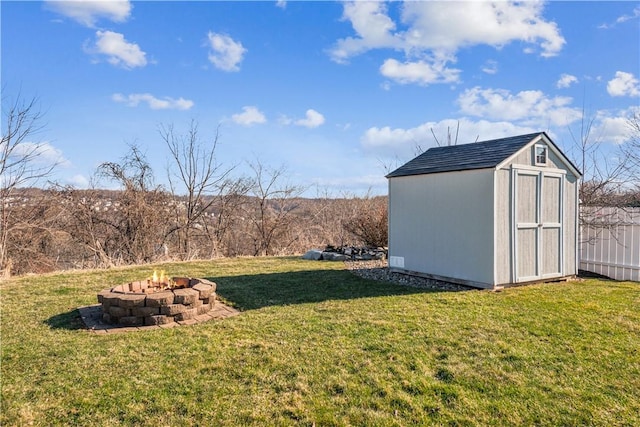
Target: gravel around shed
(379,270)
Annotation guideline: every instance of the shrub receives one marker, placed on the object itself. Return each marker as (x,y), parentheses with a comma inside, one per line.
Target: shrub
(370,222)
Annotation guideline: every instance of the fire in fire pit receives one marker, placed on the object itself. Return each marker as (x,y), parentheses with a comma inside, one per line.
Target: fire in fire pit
(160,282)
(158,300)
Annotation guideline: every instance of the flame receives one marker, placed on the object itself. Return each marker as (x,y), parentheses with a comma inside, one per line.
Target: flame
(160,279)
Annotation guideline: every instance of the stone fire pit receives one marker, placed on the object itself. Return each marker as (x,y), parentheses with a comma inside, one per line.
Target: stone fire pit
(147,303)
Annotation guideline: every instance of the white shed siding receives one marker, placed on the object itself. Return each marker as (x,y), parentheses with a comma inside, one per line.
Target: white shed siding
(571,227)
(526,157)
(503,225)
(457,239)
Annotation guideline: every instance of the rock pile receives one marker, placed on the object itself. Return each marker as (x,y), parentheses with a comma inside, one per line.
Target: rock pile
(346,253)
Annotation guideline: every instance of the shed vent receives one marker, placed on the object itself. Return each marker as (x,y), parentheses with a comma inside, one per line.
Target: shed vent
(396,261)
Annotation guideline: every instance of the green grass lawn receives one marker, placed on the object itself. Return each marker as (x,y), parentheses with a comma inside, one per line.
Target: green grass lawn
(317,345)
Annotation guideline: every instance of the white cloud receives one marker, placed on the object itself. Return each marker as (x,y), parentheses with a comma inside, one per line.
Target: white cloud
(225,52)
(530,106)
(119,51)
(419,72)
(43,153)
(434,31)
(87,13)
(490,67)
(622,19)
(312,119)
(281,4)
(623,84)
(404,143)
(371,24)
(41,158)
(166,103)
(614,127)
(78,181)
(625,18)
(250,115)
(566,80)
(447,26)
(285,120)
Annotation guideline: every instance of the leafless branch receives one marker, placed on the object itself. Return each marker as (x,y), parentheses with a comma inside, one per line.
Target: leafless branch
(194,167)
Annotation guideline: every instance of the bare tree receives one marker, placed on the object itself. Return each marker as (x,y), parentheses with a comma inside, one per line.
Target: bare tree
(603,179)
(136,224)
(225,218)
(450,139)
(37,241)
(23,163)
(631,150)
(273,208)
(195,171)
(606,180)
(89,220)
(322,219)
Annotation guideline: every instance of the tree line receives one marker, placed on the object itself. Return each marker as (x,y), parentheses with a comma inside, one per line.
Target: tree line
(204,212)
(66,228)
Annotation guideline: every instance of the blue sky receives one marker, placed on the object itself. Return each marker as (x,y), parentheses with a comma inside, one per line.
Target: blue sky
(336,92)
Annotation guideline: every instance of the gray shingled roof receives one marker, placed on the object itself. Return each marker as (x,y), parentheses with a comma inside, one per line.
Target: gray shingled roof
(478,155)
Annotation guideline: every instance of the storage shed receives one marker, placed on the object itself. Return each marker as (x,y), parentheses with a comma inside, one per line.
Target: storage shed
(488,214)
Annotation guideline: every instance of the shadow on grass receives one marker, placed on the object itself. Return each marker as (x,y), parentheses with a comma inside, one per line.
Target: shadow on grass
(250,292)
(254,291)
(591,275)
(70,320)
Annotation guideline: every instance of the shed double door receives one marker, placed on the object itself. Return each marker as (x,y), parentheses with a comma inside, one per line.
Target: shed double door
(537,220)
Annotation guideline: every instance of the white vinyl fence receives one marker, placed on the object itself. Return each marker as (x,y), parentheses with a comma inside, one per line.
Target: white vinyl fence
(610,244)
